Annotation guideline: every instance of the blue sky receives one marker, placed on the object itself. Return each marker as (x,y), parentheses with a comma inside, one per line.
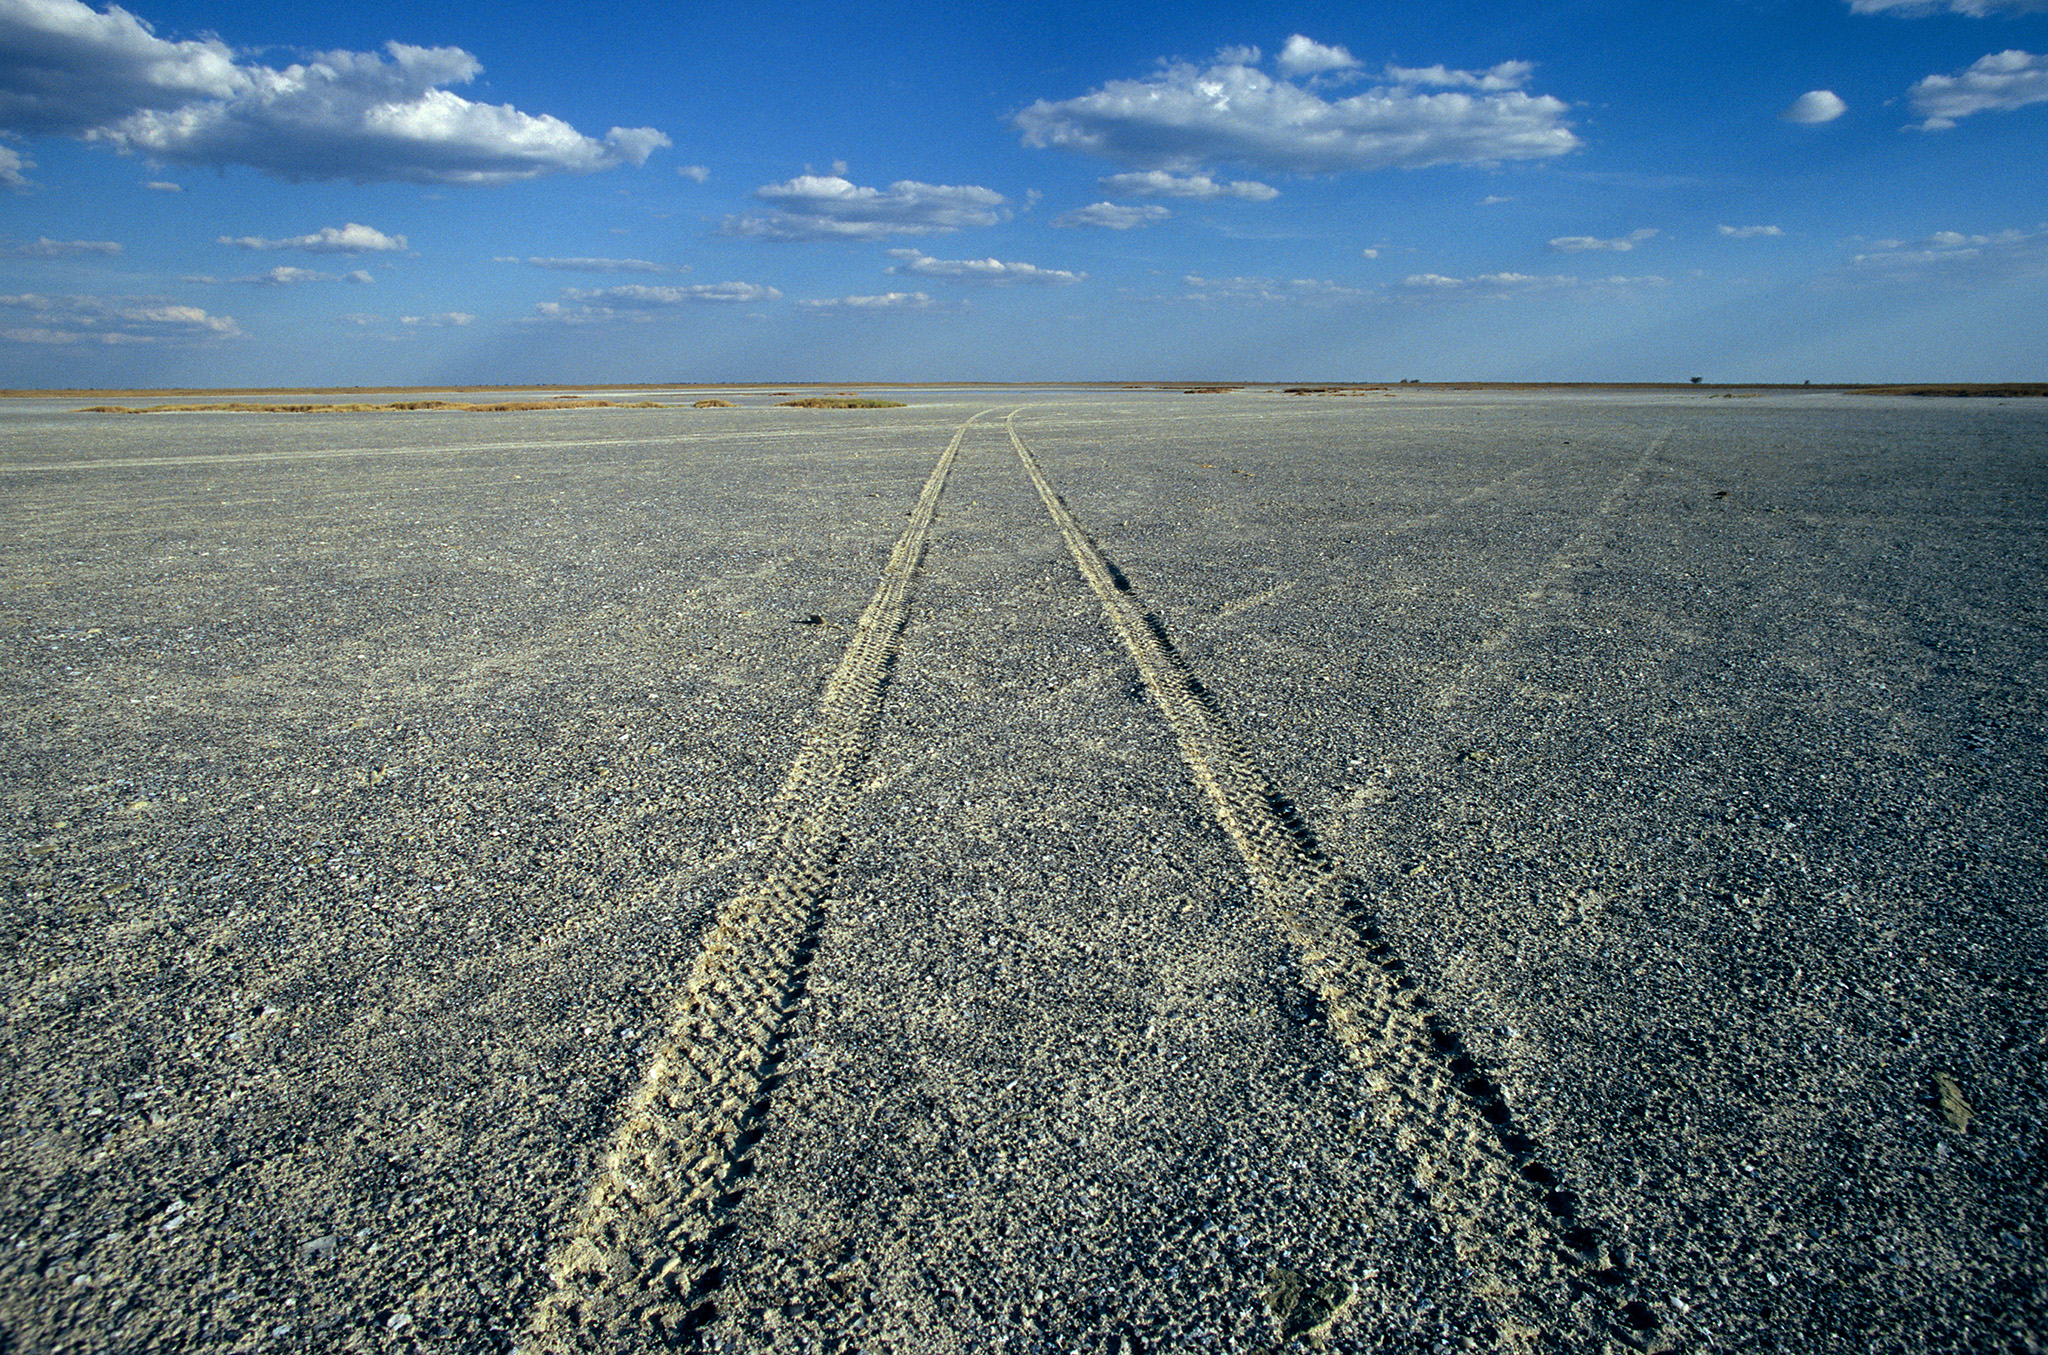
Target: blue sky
(200,192)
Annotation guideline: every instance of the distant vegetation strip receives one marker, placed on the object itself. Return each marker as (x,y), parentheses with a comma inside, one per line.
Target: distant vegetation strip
(496,407)
(499,407)
(2009,388)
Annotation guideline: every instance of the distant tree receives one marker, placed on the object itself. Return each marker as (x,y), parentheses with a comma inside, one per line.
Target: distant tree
(1696,381)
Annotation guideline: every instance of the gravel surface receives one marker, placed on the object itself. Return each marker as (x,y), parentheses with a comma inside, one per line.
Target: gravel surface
(1146,872)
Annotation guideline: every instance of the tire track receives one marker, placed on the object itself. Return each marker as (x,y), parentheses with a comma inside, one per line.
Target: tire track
(1540,1272)
(1563,563)
(639,1269)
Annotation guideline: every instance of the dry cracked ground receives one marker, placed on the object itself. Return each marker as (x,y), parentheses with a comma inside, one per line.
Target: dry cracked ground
(1035,870)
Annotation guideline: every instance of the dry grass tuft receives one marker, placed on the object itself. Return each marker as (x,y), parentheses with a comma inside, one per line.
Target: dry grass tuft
(714,404)
(842,402)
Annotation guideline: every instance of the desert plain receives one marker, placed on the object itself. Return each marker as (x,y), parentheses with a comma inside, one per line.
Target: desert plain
(1038,869)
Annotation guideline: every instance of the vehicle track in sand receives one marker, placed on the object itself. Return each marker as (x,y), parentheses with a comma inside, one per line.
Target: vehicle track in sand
(1562,566)
(639,1269)
(1535,1261)
(641,1266)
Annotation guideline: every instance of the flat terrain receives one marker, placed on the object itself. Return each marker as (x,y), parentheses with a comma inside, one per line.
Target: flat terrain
(1033,870)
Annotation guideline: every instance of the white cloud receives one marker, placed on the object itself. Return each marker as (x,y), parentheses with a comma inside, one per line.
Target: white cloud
(1493,200)
(1976,9)
(640,302)
(1814,107)
(1187,118)
(46,248)
(694,173)
(828,206)
(1302,57)
(1578,244)
(350,239)
(639,295)
(887,301)
(1157,183)
(108,321)
(69,70)
(978,270)
(12,163)
(594,265)
(2007,252)
(164,186)
(1507,75)
(1502,286)
(1114,216)
(1996,83)
(282,276)
(1267,290)
(1748,232)
(1369,253)
(442,320)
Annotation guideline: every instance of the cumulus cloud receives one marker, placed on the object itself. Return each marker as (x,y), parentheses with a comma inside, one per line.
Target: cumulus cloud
(1190,119)
(442,320)
(12,163)
(994,271)
(350,239)
(1507,75)
(1996,83)
(1268,290)
(829,206)
(694,173)
(1579,244)
(69,70)
(592,265)
(1113,216)
(887,301)
(1157,183)
(66,69)
(1303,57)
(1814,107)
(1748,232)
(1976,9)
(112,321)
(46,248)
